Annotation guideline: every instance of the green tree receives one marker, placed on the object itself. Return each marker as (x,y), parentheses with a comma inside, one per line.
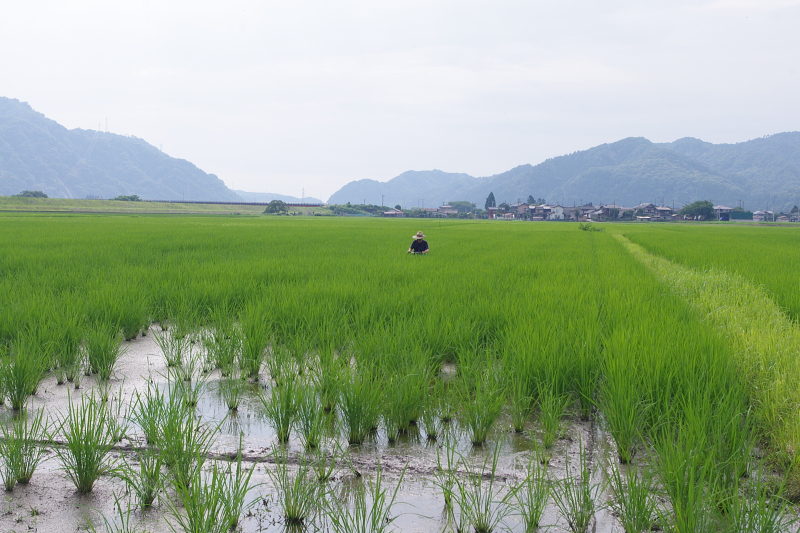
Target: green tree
(463,206)
(131,198)
(795,209)
(276,207)
(700,208)
(531,200)
(490,201)
(505,207)
(31,194)
(398,207)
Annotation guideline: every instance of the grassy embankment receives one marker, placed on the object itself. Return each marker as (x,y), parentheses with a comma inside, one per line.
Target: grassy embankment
(9,204)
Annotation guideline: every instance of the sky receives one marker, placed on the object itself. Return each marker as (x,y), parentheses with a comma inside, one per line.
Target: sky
(301,97)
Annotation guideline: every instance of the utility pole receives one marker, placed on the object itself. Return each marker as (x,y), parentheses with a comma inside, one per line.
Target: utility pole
(381,200)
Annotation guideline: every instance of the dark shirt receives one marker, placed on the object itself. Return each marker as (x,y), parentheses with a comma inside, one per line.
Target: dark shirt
(419,245)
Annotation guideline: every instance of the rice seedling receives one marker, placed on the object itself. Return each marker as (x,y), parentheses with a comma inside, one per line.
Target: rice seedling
(22,447)
(121,523)
(149,412)
(298,493)
(359,406)
(213,501)
(145,480)
(89,437)
(324,462)
(761,509)
(532,494)
(103,346)
(521,401)
(173,346)
(232,388)
(482,396)
(22,371)
(620,401)
(480,505)
(184,442)
(311,419)
(446,468)
(224,344)
(552,407)
(371,509)
(280,408)
(576,495)
(634,501)
(256,335)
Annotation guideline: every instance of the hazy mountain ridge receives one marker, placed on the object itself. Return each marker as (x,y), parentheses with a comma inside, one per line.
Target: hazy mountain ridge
(269,196)
(761,172)
(37,153)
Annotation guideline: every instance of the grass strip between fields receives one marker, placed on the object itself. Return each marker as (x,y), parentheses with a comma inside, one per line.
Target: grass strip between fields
(765,340)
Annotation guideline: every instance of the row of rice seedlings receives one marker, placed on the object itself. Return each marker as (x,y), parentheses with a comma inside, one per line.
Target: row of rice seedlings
(184,441)
(481,394)
(22,447)
(634,501)
(172,345)
(532,494)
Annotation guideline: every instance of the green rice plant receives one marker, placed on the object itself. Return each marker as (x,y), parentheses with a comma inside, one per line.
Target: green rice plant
(103,347)
(298,493)
(531,495)
(173,346)
(575,495)
(149,411)
(359,406)
(280,364)
(22,447)
(634,501)
(482,396)
(145,480)
(431,423)
(447,459)
(232,388)
(620,398)
(552,408)
(224,344)
(311,419)
(131,313)
(479,502)
(323,463)
(213,501)
(521,401)
(89,437)
(685,475)
(184,442)
(761,509)
(280,408)
(371,509)
(22,371)
(585,348)
(327,372)
(256,333)
(121,523)
(69,353)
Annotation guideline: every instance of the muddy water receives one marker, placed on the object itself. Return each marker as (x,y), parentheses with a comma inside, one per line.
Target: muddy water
(50,504)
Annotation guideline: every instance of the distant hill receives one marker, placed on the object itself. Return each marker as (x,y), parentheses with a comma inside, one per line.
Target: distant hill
(762,172)
(37,153)
(268,197)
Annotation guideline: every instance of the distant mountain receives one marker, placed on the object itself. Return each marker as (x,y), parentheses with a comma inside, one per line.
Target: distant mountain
(37,153)
(269,196)
(762,172)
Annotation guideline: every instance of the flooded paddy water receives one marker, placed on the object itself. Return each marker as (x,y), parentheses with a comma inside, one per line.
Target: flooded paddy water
(50,503)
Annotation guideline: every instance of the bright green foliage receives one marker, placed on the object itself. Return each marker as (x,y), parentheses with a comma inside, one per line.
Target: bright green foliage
(88,430)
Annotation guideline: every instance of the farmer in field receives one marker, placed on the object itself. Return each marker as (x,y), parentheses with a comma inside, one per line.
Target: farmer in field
(419,245)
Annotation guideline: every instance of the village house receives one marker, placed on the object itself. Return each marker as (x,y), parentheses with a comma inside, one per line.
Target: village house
(395,213)
(447,210)
(723,212)
(763,216)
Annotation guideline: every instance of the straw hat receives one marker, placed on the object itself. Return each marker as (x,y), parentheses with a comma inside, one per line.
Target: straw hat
(419,235)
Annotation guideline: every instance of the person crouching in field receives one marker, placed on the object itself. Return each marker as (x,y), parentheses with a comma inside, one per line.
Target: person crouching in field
(419,245)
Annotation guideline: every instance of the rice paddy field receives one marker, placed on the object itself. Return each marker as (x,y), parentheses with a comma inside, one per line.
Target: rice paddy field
(207,374)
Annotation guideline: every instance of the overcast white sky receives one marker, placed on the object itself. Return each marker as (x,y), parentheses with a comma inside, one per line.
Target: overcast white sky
(281,96)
